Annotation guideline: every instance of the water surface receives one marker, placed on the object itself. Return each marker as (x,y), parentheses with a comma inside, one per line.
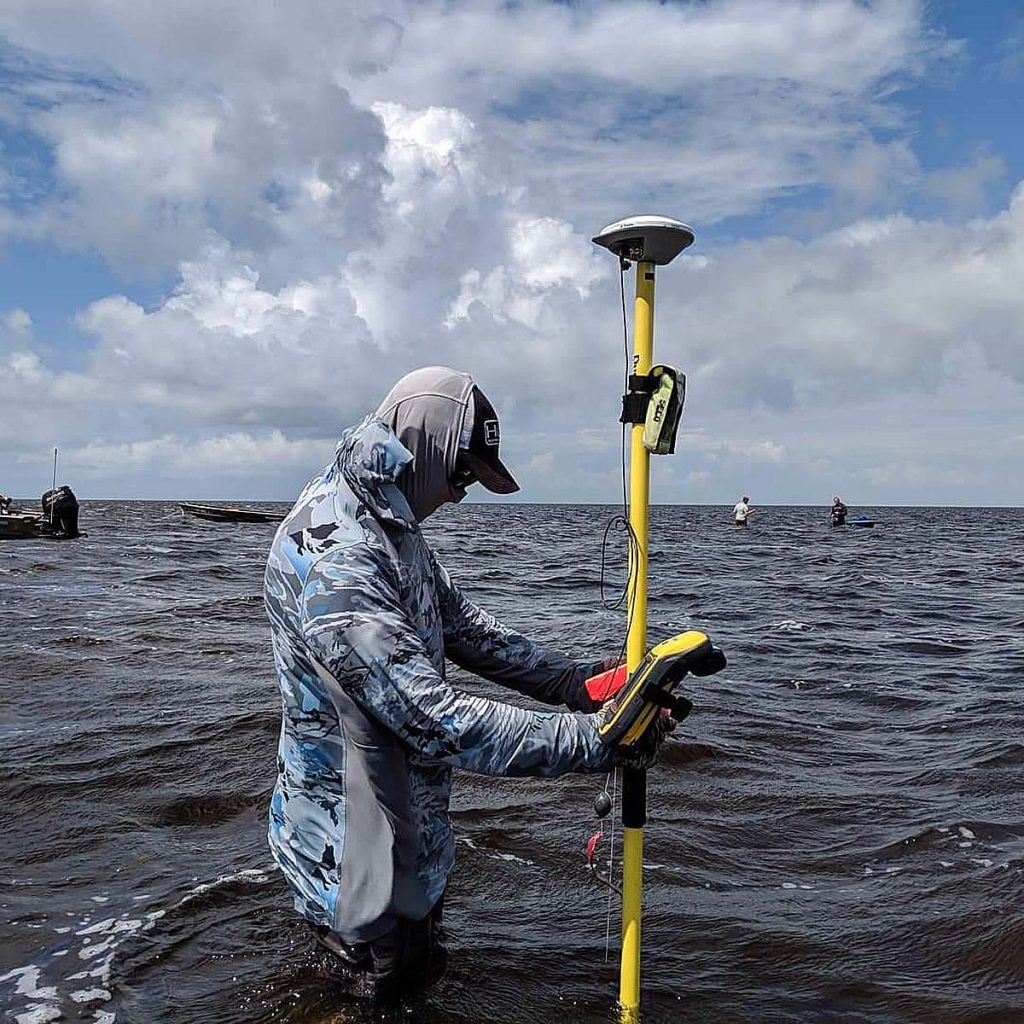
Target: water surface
(836,833)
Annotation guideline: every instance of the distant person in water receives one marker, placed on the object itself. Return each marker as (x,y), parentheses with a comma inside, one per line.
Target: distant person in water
(839,511)
(363,616)
(741,510)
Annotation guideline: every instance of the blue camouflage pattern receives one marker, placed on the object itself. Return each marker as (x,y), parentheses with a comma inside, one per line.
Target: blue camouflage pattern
(362,618)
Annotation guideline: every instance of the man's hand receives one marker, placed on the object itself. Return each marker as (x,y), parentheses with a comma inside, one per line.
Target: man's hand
(644,753)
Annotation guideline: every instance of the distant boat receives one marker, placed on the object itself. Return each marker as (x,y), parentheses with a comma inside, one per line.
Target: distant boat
(19,525)
(230,514)
(57,520)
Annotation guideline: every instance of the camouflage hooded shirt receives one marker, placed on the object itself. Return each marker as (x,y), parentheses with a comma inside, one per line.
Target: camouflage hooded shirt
(363,617)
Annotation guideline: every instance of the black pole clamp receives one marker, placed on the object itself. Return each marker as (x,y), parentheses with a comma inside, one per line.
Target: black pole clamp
(636,400)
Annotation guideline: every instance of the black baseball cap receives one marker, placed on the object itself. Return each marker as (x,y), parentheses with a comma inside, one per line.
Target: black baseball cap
(481,456)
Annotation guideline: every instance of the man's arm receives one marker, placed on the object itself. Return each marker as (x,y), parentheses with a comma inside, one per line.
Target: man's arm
(476,641)
(359,632)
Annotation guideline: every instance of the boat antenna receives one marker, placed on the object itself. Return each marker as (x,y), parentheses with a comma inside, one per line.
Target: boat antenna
(646,242)
(52,502)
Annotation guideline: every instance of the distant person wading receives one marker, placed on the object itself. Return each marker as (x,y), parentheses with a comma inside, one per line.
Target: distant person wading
(363,617)
(741,511)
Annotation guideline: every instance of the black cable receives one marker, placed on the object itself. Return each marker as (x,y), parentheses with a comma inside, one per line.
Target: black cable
(623,266)
(621,523)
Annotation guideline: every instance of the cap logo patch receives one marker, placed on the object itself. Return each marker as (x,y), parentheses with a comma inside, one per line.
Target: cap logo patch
(492,435)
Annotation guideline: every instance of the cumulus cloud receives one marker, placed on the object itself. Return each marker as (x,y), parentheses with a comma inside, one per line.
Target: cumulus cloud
(32,395)
(17,323)
(714,449)
(343,193)
(714,107)
(225,350)
(542,254)
(236,453)
(266,126)
(882,304)
(965,188)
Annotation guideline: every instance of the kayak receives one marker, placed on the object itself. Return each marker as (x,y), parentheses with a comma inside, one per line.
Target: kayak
(855,522)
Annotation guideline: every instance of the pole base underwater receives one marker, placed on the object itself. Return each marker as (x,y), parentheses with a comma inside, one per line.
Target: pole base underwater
(632,908)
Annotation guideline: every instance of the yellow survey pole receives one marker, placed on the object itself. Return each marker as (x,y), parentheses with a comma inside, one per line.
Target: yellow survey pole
(640,467)
(646,242)
(634,781)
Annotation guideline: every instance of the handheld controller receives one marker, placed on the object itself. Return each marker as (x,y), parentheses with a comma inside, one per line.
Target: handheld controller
(648,690)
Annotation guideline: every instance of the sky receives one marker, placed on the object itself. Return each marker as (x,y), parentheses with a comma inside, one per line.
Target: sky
(226,228)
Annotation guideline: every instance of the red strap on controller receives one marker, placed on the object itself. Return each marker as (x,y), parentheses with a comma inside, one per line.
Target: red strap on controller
(604,686)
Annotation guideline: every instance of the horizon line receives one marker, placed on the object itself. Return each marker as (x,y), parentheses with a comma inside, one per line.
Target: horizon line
(594,504)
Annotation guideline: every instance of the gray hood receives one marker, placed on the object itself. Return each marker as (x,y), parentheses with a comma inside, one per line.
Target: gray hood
(427,411)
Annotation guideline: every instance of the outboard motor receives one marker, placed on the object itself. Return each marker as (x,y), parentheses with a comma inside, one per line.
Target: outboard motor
(60,509)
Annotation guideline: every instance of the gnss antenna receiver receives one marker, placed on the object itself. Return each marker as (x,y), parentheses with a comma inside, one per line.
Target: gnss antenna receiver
(648,239)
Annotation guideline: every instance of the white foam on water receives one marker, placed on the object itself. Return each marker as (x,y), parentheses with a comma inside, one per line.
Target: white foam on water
(100,941)
(91,995)
(27,983)
(38,1015)
(513,857)
(494,854)
(966,832)
(258,876)
(99,946)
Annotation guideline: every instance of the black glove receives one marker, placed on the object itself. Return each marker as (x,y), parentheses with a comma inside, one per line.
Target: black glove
(643,753)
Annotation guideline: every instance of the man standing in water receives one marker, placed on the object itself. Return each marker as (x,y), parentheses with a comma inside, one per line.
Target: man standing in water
(363,617)
(741,510)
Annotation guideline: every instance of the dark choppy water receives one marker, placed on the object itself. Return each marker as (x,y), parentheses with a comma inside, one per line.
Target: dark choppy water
(837,834)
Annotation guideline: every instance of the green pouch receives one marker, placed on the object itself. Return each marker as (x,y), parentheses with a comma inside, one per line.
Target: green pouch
(668,392)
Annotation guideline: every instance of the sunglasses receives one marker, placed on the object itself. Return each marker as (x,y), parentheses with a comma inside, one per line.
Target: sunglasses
(462,476)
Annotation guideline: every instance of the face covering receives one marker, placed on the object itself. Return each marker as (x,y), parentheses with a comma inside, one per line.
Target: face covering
(427,409)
